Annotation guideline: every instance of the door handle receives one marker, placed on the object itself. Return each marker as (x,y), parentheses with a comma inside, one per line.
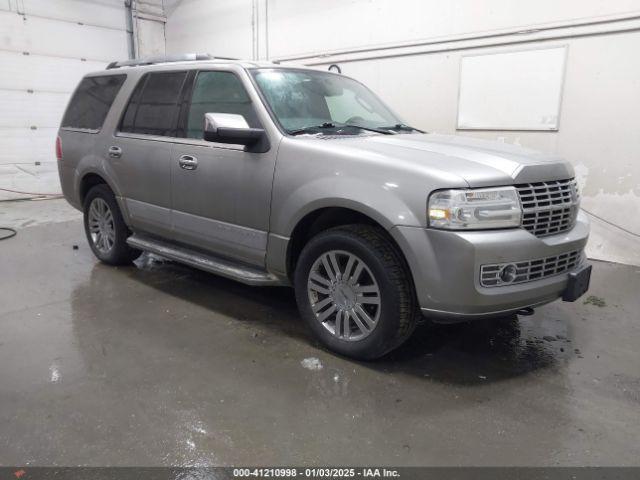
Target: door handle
(188,162)
(115,152)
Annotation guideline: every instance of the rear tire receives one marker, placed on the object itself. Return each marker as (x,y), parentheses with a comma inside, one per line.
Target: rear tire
(353,289)
(105,229)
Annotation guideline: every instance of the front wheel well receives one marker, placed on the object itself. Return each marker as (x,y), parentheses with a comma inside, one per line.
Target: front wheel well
(324,219)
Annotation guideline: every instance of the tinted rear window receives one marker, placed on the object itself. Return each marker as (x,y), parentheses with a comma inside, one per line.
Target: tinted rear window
(152,109)
(91,102)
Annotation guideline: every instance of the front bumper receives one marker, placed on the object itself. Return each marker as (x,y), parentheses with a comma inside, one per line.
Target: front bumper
(446,268)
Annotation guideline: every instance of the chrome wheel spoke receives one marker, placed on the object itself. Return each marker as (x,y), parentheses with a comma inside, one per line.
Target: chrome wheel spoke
(93,211)
(99,242)
(317,307)
(356,273)
(327,313)
(110,239)
(334,264)
(362,319)
(366,288)
(101,225)
(337,328)
(344,295)
(346,327)
(319,283)
(373,300)
(350,263)
(327,268)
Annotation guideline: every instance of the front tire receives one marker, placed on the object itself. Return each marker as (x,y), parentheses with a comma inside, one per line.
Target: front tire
(105,228)
(353,289)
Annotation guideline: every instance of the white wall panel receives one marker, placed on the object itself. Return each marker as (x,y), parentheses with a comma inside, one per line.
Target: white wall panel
(64,39)
(302,26)
(39,109)
(26,146)
(109,14)
(37,72)
(221,28)
(60,39)
(150,38)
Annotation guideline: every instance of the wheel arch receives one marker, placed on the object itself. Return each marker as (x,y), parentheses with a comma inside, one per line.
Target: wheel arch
(90,179)
(87,182)
(324,218)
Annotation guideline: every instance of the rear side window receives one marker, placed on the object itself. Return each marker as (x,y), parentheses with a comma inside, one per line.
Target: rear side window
(153,107)
(91,102)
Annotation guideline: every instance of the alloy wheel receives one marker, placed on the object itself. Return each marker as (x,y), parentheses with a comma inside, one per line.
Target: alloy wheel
(344,295)
(101,226)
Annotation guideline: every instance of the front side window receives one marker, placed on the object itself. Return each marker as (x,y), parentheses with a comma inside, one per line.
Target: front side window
(91,102)
(153,107)
(218,92)
(300,99)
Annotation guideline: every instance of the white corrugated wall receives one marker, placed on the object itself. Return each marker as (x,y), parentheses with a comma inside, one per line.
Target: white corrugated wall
(46,46)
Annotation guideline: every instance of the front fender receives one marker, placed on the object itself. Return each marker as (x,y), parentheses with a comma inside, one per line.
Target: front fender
(378,202)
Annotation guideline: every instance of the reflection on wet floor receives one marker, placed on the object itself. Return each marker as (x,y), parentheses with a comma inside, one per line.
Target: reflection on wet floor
(463,353)
(160,364)
(484,351)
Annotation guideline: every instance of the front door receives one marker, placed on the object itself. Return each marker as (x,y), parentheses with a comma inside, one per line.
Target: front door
(221,195)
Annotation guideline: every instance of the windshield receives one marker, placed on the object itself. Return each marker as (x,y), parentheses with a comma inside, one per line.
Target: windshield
(302,99)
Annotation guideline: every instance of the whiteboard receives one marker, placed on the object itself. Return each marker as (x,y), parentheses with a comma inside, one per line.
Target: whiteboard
(517,90)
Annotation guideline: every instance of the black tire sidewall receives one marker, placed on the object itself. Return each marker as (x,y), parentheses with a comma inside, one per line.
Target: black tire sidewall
(384,336)
(120,253)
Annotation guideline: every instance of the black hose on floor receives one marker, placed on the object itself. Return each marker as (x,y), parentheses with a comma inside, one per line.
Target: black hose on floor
(12,233)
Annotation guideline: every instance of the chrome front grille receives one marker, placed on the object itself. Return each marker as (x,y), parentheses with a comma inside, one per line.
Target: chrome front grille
(529,270)
(548,207)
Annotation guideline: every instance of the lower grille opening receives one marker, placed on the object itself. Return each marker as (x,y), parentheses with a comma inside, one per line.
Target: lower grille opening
(526,271)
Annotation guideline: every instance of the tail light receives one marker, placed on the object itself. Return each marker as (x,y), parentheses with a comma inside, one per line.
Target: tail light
(58,148)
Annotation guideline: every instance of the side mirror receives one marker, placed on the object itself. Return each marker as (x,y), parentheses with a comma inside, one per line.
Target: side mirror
(232,128)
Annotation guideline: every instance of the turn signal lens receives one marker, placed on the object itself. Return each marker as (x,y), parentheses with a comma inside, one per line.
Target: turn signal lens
(438,213)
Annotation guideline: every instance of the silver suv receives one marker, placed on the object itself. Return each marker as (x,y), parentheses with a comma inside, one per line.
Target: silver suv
(272,175)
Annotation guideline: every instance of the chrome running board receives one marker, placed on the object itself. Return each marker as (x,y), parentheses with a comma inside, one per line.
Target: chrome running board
(246,274)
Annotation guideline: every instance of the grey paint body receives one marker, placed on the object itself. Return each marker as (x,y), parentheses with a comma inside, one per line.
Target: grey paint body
(244,206)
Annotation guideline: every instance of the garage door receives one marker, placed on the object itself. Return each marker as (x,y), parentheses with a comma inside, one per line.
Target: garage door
(46,46)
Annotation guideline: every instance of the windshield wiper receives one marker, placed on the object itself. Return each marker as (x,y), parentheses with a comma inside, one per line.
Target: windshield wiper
(401,127)
(312,128)
(329,125)
(368,129)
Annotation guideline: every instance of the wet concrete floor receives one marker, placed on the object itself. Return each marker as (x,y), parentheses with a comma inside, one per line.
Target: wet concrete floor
(159,364)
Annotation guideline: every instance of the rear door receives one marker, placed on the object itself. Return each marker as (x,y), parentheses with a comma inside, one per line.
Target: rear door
(140,152)
(222,194)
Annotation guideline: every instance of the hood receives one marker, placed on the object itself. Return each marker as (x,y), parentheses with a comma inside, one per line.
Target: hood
(478,162)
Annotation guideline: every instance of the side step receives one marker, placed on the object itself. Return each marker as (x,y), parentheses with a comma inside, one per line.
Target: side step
(226,268)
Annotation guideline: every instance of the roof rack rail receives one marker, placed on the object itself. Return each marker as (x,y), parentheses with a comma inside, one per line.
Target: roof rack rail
(183,57)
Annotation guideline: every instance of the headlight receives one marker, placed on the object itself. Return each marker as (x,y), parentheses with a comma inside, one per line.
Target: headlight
(475,209)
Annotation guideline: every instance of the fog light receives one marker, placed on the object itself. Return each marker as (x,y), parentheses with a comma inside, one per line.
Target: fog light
(508,273)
